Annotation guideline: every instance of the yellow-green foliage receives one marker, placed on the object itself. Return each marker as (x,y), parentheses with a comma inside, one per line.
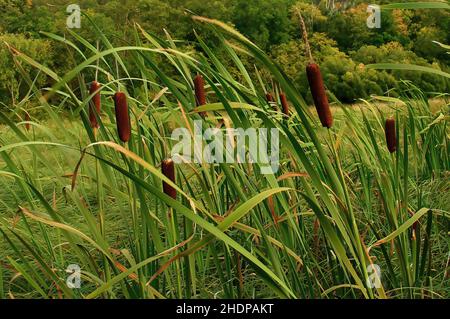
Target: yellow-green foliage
(11,81)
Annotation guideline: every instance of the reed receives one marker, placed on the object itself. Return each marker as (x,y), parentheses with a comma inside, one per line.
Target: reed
(95,104)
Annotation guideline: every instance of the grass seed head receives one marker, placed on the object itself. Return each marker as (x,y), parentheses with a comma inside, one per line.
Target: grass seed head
(168,170)
(269,97)
(319,95)
(391,135)
(95,105)
(122,117)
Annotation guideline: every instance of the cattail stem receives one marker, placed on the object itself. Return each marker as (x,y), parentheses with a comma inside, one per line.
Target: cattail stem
(122,116)
(168,170)
(391,135)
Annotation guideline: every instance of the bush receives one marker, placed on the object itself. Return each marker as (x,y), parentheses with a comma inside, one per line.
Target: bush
(394,52)
(12,83)
(347,79)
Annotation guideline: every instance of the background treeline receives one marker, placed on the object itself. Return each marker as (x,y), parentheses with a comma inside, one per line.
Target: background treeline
(340,39)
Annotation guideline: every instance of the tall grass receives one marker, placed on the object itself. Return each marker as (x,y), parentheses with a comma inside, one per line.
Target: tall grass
(340,203)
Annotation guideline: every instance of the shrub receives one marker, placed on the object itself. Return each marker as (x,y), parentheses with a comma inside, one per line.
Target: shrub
(394,52)
(12,84)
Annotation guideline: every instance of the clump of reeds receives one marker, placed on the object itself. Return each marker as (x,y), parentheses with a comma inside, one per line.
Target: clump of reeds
(391,135)
(316,85)
(122,117)
(168,170)
(200,94)
(95,104)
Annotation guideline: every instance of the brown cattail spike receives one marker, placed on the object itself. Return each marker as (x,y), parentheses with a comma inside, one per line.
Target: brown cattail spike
(272,209)
(122,117)
(95,105)
(200,95)
(269,97)
(27,119)
(391,135)
(316,228)
(284,103)
(168,170)
(319,95)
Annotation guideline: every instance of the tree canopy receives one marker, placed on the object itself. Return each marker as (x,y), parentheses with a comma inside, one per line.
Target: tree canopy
(340,38)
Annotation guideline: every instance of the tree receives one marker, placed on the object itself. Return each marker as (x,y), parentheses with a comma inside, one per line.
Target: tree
(424,46)
(267,23)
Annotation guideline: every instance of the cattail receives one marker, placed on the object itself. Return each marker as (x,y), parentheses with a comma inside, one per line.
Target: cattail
(200,95)
(271,100)
(316,234)
(122,118)
(272,209)
(284,103)
(316,82)
(391,135)
(95,105)
(27,119)
(319,95)
(168,170)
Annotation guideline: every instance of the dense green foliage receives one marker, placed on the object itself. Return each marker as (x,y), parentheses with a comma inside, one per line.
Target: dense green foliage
(340,38)
(12,85)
